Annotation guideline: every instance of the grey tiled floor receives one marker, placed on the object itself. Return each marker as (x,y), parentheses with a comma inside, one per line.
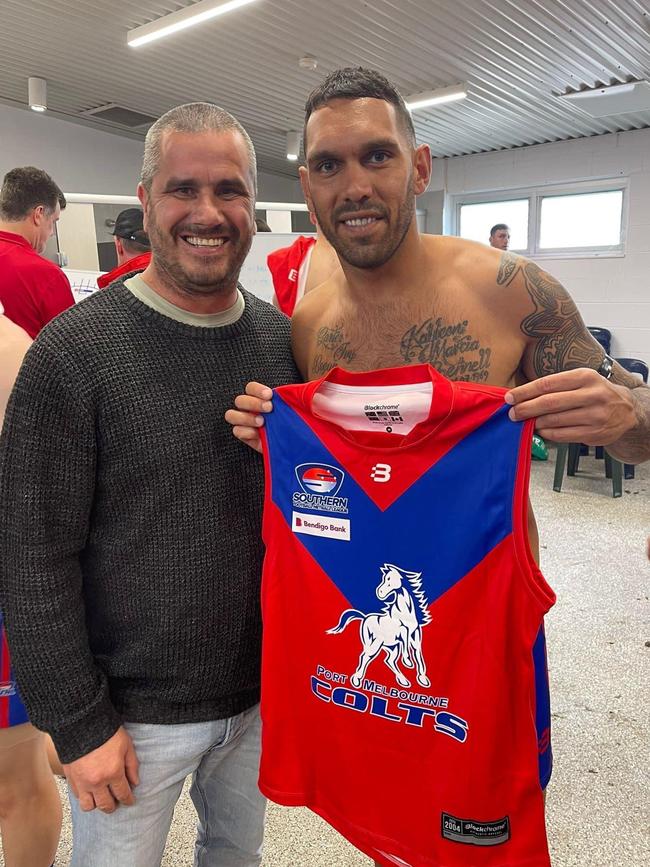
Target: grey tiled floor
(598,800)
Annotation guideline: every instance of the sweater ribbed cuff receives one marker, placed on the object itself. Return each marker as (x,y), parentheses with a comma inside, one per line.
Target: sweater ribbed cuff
(86,733)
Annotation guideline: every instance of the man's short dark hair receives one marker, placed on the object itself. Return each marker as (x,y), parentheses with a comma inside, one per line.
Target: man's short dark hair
(26,188)
(499,227)
(358,83)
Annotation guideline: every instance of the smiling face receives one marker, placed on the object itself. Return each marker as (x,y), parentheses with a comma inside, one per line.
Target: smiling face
(362,177)
(199,211)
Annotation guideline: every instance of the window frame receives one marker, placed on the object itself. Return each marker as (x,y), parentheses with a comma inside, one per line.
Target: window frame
(535,196)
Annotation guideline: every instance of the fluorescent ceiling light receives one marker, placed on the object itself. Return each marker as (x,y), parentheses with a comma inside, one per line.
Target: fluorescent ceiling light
(37,93)
(436,97)
(293,146)
(634,96)
(175,21)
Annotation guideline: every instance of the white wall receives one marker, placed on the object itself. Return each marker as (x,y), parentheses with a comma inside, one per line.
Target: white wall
(84,160)
(78,237)
(610,292)
(81,160)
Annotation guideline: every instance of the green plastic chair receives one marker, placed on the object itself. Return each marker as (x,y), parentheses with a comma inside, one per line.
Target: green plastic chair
(570,453)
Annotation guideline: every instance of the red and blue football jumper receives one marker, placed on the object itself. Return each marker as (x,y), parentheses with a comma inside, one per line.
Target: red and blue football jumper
(401,607)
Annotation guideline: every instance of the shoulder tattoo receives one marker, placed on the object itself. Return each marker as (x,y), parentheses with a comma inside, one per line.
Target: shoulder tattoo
(562,340)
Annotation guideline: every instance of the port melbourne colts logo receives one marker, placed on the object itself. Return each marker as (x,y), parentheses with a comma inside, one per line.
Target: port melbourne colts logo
(396,629)
(319,487)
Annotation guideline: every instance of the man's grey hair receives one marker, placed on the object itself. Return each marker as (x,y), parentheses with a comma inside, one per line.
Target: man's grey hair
(191,117)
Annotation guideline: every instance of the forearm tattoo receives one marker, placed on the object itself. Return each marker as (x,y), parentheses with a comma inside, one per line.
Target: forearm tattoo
(562,340)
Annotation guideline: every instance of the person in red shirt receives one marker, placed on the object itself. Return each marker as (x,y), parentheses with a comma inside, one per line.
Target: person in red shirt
(131,245)
(298,269)
(33,290)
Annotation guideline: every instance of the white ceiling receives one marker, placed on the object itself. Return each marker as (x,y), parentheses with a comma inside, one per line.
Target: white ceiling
(516,56)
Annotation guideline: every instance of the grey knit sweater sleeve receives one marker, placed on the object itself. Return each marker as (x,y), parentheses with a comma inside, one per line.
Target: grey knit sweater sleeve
(47,477)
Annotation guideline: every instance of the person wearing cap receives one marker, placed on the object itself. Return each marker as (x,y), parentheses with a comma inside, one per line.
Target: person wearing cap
(131,245)
(33,290)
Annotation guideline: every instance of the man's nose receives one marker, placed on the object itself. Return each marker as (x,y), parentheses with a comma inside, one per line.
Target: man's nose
(208,209)
(358,183)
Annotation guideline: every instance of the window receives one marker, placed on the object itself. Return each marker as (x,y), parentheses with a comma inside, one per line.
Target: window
(583,219)
(477,220)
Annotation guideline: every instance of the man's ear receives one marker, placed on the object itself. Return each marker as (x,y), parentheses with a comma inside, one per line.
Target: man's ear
(144,201)
(421,168)
(303,173)
(119,249)
(38,215)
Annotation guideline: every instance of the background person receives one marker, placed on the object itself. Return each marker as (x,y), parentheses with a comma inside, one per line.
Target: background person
(33,290)
(299,268)
(131,246)
(500,236)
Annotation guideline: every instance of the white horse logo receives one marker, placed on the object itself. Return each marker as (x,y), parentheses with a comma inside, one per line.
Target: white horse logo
(397,630)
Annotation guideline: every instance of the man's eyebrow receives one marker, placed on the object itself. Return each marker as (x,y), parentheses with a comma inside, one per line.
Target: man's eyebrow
(381,144)
(235,182)
(172,183)
(320,156)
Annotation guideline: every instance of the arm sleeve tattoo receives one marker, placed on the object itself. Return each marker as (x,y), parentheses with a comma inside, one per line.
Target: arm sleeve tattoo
(561,339)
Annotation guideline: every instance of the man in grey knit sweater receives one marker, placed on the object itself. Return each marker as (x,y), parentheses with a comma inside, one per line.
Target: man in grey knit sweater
(131,555)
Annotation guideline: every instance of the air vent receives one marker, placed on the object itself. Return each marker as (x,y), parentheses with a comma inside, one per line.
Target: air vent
(119,115)
(613,99)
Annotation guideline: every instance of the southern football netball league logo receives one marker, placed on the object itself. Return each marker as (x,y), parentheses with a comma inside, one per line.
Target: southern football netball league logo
(397,629)
(320,479)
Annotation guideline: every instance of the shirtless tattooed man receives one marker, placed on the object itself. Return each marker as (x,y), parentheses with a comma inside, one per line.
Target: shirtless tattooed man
(473,312)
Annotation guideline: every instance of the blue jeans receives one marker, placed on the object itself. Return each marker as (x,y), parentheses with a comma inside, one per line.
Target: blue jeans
(223,758)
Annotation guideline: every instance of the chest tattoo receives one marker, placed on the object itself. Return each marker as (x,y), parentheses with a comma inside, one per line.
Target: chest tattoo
(332,350)
(449,348)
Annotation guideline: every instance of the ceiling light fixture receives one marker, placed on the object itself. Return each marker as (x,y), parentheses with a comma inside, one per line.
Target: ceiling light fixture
(205,10)
(633,96)
(37,93)
(293,146)
(307,61)
(436,97)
